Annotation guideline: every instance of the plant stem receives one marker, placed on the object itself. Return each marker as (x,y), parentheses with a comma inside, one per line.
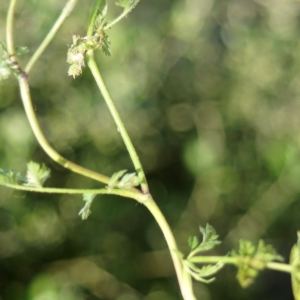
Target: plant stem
(93,17)
(25,95)
(123,193)
(120,126)
(184,280)
(64,14)
(279,267)
(213,259)
(9,30)
(234,261)
(118,19)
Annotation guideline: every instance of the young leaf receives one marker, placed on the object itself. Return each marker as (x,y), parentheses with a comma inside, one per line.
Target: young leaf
(209,240)
(3,46)
(11,177)
(102,11)
(4,70)
(114,178)
(86,210)
(128,181)
(252,259)
(36,174)
(193,242)
(127,4)
(21,50)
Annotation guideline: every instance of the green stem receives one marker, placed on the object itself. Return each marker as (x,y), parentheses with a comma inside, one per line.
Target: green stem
(279,267)
(183,278)
(213,259)
(123,193)
(118,19)
(120,126)
(9,30)
(93,17)
(64,14)
(234,261)
(25,95)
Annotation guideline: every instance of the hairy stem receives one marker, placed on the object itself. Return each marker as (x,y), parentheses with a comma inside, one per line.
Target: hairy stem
(120,126)
(64,14)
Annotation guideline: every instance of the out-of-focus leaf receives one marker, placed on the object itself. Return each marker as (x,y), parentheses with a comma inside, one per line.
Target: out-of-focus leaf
(86,210)
(36,174)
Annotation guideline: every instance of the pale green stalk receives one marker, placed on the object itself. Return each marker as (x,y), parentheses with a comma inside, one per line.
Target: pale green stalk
(25,95)
(120,126)
(183,278)
(93,17)
(64,14)
(118,192)
(26,98)
(118,19)
(234,261)
(9,30)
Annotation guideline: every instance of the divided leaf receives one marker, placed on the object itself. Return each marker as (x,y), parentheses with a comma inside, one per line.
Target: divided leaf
(128,5)
(193,242)
(252,259)
(36,174)
(114,178)
(86,210)
(128,181)
(209,240)
(11,177)
(102,11)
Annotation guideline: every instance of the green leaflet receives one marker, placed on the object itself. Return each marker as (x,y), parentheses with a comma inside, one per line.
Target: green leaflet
(86,210)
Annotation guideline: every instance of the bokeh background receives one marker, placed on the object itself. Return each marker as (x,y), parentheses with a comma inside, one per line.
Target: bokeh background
(209,91)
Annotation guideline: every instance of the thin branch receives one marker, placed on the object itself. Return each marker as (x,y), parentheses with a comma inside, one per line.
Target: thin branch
(25,95)
(183,278)
(9,30)
(120,126)
(65,13)
(119,192)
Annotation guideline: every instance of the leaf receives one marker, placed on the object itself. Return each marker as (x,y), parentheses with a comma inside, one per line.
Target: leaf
(246,248)
(200,274)
(11,177)
(4,70)
(266,253)
(105,44)
(101,13)
(210,270)
(21,50)
(127,4)
(114,178)
(36,174)
(128,181)
(295,263)
(252,259)
(3,46)
(209,239)
(193,242)
(86,210)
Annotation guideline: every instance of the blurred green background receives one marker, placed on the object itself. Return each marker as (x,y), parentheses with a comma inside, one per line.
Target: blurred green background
(209,91)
